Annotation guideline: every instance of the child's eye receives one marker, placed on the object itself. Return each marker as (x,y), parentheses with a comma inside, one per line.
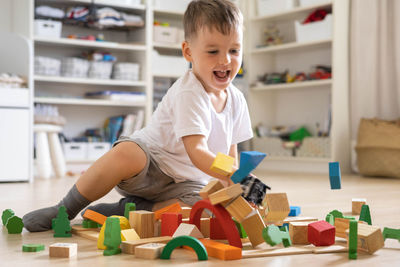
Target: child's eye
(235,51)
(213,52)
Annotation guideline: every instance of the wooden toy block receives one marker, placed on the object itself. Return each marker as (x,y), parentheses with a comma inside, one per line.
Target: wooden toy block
(334,175)
(189,241)
(370,238)
(270,252)
(186,212)
(211,187)
(32,247)
(336,214)
(254,225)
(365,214)
(79,228)
(128,247)
(300,219)
(7,214)
(356,204)
(221,251)
(174,208)
(299,233)
(276,207)
(128,208)
(63,250)
(391,233)
(188,230)
(216,230)
(143,222)
(149,251)
(294,211)
(94,216)
(353,226)
(205,226)
(157,228)
(89,224)
(321,233)
(129,235)
(91,235)
(222,164)
(170,222)
(112,236)
(249,160)
(341,225)
(61,224)
(226,194)
(15,225)
(239,208)
(222,215)
(124,224)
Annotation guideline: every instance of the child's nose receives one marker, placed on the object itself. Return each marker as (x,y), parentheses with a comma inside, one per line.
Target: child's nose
(224,59)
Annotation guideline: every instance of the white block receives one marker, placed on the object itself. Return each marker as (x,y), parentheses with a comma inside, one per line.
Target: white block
(63,250)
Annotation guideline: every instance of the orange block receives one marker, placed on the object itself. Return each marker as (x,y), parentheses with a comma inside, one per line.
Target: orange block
(221,251)
(95,216)
(174,208)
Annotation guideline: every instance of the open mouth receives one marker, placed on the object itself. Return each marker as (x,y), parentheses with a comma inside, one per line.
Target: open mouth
(222,75)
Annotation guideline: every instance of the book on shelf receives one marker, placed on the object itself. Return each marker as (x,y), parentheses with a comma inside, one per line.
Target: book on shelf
(123,125)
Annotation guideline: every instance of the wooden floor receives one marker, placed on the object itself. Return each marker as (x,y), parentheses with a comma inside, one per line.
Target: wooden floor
(311,192)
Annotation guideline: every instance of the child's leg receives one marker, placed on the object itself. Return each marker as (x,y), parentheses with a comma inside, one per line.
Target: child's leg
(122,162)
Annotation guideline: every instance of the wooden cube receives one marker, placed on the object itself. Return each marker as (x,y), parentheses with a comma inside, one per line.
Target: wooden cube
(321,233)
(239,208)
(299,233)
(149,251)
(356,204)
(170,222)
(276,207)
(63,250)
(128,247)
(205,226)
(186,212)
(226,194)
(370,238)
(222,164)
(341,225)
(188,229)
(143,222)
(254,225)
(129,234)
(211,187)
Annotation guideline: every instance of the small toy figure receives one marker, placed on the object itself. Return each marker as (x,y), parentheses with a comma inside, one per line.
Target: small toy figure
(61,225)
(272,36)
(112,236)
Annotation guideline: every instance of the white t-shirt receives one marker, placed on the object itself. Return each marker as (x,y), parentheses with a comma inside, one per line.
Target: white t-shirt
(186,109)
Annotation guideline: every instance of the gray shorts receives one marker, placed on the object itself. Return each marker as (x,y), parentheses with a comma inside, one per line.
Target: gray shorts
(154,185)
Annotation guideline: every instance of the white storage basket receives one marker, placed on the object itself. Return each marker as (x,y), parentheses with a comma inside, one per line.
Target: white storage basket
(315,147)
(314,31)
(74,67)
(272,146)
(47,28)
(47,66)
(75,151)
(100,69)
(126,71)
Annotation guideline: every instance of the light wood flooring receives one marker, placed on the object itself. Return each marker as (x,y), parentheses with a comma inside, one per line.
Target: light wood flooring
(311,192)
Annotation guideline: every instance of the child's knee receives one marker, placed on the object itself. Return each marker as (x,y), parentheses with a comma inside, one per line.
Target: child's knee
(130,155)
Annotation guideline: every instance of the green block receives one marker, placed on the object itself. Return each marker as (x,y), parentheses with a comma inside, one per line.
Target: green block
(330,219)
(112,236)
(32,247)
(242,232)
(391,233)
(61,224)
(353,232)
(185,240)
(351,218)
(90,224)
(7,214)
(14,225)
(336,214)
(287,242)
(272,235)
(365,215)
(128,208)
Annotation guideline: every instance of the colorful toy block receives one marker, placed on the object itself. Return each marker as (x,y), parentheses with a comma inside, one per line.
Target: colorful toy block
(336,214)
(222,215)
(216,230)
(299,233)
(254,225)
(341,225)
(391,233)
(221,251)
(170,222)
(129,235)
(90,224)
(239,208)
(174,208)
(276,206)
(294,211)
(370,238)
(321,233)
(190,241)
(222,164)
(62,227)
(112,236)
(63,250)
(286,240)
(242,232)
(128,247)
(205,226)
(128,208)
(353,239)
(7,214)
(149,251)
(188,230)
(32,247)
(226,194)
(356,204)
(249,160)
(143,222)
(271,235)
(94,216)
(330,219)
(212,187)
(14,225)
(334,175)
(365,214)
(186,212)
(124,225)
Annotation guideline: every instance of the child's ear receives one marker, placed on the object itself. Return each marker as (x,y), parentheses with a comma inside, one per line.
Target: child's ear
(187,53)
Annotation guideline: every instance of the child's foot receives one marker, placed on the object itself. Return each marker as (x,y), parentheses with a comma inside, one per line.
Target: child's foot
(118,208)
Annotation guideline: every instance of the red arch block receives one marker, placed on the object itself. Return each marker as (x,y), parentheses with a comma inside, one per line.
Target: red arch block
(223,217)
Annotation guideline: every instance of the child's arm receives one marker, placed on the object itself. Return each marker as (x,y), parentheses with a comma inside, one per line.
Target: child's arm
(201,157)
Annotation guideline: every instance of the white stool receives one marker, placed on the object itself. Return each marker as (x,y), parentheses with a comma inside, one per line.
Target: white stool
(48,150)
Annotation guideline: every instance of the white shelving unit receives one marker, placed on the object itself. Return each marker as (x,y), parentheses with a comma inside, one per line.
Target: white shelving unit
(274,105)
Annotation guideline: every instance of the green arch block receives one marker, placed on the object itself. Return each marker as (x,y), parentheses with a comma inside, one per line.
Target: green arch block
(185,240)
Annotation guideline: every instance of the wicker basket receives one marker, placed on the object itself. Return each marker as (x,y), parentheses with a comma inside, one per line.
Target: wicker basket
(47,66)
(100,69)
(74,67)
(378,148)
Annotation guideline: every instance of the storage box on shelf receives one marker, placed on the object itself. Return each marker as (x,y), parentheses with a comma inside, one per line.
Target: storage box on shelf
(314,31)
(81,151)
(47,66)
(269,7)
(47,28)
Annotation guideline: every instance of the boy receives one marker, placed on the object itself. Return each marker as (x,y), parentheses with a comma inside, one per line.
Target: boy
(202,114)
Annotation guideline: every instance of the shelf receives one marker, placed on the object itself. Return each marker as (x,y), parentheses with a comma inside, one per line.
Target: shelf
(292,46)
(296,85)
(56,79)
(108,3)
(86,43)
(89,102)
(291,14)
(168,46)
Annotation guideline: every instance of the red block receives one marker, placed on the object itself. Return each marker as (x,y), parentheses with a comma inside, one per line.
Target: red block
(216,230)
(321,233)
(169,223)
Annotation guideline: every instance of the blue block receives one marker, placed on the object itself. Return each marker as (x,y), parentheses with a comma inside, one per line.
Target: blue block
(294,211)
(334,175)
(249,160)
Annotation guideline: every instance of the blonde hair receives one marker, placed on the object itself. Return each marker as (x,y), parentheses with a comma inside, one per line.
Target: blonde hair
(222,15)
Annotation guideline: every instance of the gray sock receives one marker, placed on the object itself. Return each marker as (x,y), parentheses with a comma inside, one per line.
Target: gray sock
(118,208)
(40,220)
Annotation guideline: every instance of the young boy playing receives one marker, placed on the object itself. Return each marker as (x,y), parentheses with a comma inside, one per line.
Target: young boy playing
(201,114)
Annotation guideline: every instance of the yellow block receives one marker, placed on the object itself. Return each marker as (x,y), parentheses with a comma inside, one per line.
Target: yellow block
(222,164)
(123,222)
(129,235)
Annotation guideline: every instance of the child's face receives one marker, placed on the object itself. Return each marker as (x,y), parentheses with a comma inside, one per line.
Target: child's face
(216,58)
